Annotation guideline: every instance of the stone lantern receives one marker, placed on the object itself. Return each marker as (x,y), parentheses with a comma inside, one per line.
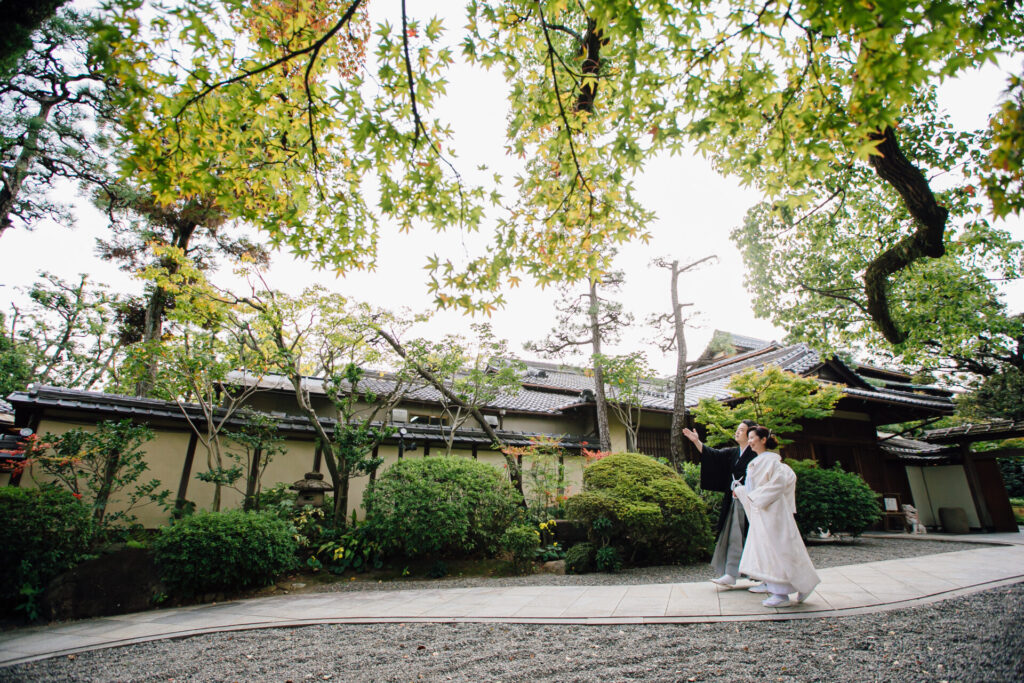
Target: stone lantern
(311,490)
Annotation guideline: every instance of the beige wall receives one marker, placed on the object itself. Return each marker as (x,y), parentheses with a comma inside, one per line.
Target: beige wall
(539,424)
(617,431)
(165,455)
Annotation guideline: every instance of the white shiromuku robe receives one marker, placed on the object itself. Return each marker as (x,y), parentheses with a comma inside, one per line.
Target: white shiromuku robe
(774,551)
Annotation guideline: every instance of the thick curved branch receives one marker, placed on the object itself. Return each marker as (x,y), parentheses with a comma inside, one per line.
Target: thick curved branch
(591,49)
(927,241)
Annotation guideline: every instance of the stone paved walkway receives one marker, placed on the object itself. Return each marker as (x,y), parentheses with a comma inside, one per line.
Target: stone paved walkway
(852,589)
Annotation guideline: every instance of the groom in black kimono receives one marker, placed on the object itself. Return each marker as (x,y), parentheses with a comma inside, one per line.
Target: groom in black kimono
(720,470)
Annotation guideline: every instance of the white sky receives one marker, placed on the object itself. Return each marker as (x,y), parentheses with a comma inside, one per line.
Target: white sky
(696,209)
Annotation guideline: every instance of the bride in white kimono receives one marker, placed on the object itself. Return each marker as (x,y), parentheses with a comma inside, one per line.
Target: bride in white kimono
(774,551)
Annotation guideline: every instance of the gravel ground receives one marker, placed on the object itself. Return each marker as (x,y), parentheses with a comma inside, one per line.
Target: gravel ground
(975,638)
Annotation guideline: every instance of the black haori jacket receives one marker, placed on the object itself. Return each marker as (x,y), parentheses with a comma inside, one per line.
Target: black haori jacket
(718,468)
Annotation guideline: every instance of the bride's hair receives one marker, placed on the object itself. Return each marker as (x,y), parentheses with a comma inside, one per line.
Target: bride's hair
(766,434)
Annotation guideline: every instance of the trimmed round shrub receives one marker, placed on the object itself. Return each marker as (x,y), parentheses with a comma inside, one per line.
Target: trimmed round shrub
(48,532)
(655,517)
(579,559)
(523,541)
(712,499)
(223,551)
(833,500)
(440,506)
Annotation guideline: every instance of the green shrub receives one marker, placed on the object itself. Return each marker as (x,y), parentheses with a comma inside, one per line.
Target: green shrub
(579,559)
(712,499)
(832,500)
(523,541)
(607,559)
(654,516)
(223,551)
(49,531)
(440,507)
(1017,504)
(1012,470)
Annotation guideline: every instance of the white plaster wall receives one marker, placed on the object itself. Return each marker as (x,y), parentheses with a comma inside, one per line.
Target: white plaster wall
(941,487)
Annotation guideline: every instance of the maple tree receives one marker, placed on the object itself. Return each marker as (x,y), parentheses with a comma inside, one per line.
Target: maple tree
(771,397)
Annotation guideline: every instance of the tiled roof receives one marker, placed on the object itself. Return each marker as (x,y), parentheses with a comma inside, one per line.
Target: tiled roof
(550,389)
(915,452)
(525,400)
(744,342)
(901,444)
(712,381)
(1000,429)
(905,397)
(142,409)
(656,395)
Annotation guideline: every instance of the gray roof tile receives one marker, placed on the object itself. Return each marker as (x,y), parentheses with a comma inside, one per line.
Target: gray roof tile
(143,408)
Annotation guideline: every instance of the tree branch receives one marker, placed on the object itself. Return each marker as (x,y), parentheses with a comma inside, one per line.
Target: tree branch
(927,241)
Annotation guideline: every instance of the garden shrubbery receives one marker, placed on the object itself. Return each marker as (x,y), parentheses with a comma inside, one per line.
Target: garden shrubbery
(523,541)
(48,532)
(440,507)
(712,499)
(223,551)
(652,516)
(579,559)
(832,500)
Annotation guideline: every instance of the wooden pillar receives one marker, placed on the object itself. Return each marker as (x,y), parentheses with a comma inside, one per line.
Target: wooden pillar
(973,483)
(251,483)
(475,452)
(318,457)
(186,471)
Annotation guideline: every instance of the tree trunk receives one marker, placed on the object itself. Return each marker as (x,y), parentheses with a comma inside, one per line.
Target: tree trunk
(893,167)
(341,492)
(603,435)
(152,329)
(11,185)
(631,440)
(677,448)
(251,499)
(153,326)
(103,495)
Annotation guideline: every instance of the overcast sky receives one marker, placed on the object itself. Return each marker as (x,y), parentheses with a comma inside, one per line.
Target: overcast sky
(696,209)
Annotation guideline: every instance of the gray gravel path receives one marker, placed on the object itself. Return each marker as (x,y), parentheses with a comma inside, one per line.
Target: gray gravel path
(975,638)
